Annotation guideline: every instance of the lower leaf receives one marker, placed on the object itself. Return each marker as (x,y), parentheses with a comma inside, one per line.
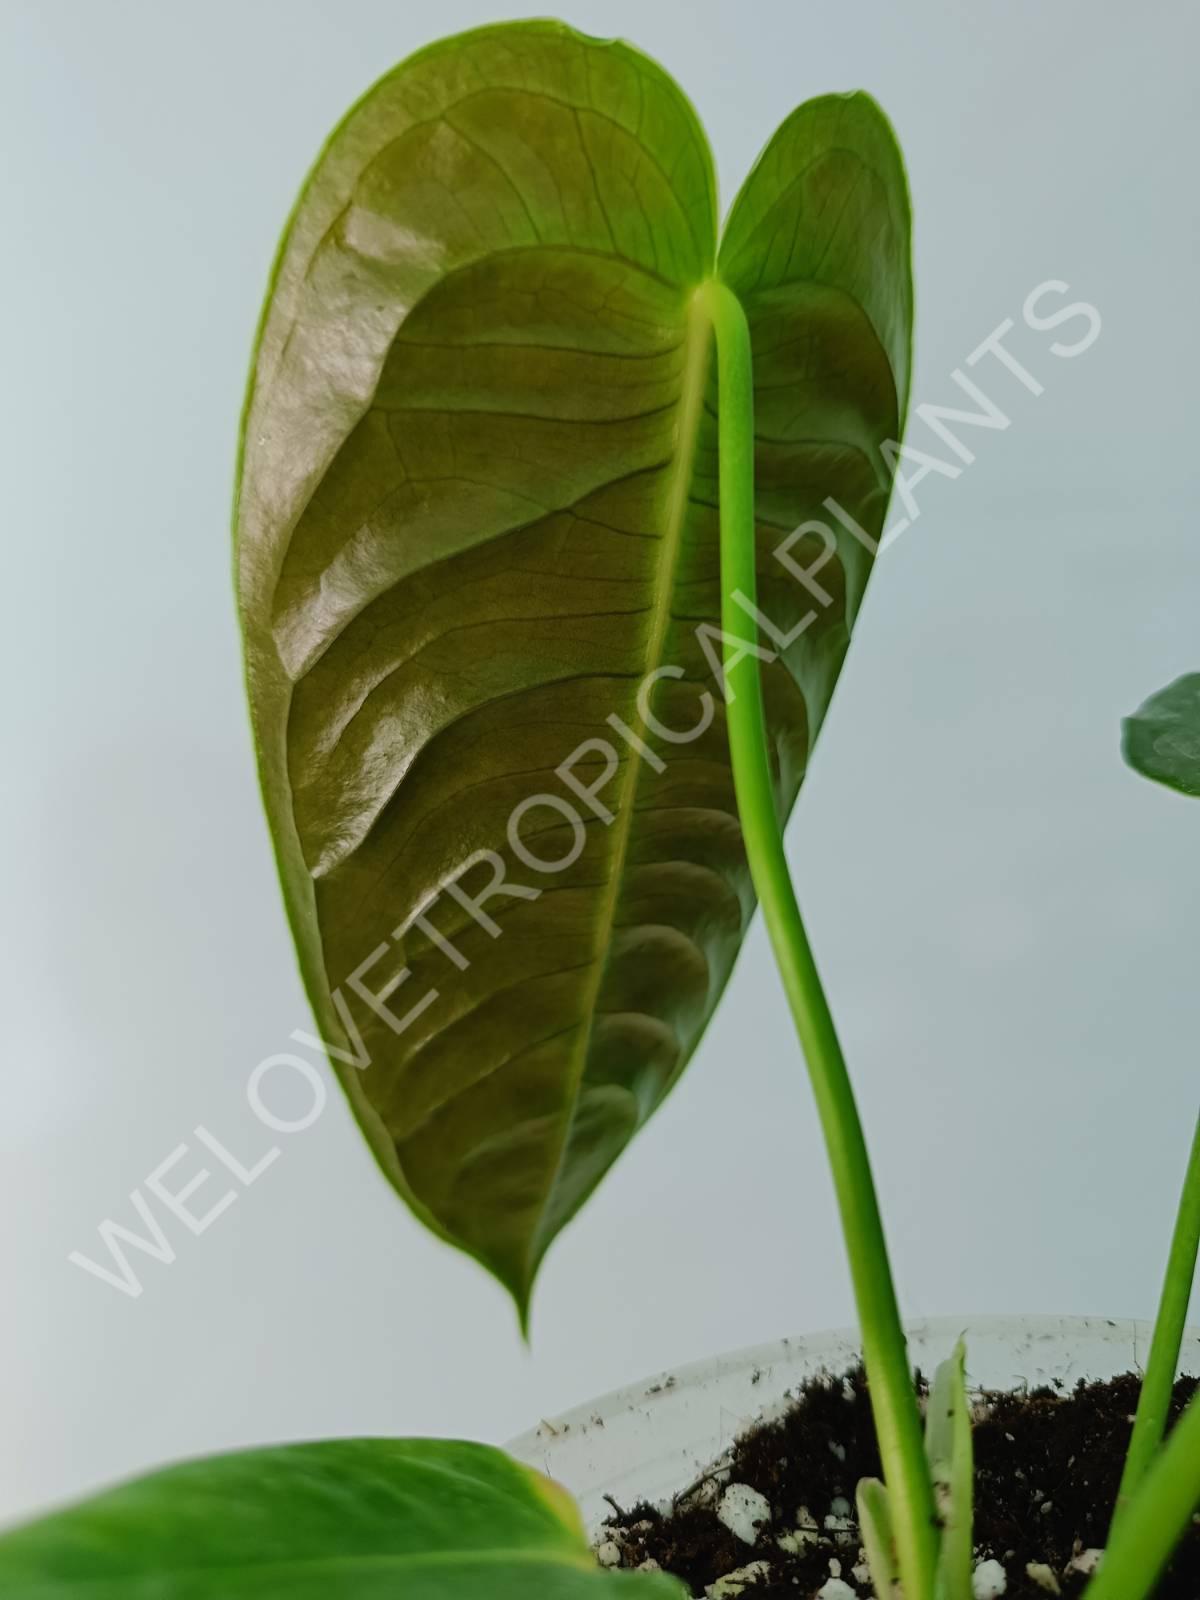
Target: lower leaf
(362,1519)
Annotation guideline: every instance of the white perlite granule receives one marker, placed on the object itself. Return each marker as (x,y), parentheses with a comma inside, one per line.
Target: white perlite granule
(743,1511)
(734,1582)
(1038,1572)
(836,1589)
(840,1526)
(1086,1561)
(807,1533)
(989,1581)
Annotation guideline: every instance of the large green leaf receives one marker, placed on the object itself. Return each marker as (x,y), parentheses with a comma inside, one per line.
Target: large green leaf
(1161,740)
(362,1519)
(477,509)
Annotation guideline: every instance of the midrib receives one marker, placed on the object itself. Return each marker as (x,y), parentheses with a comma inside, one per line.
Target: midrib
(691,405)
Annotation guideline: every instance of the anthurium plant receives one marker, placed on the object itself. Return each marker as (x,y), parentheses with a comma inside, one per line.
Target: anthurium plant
(555,511)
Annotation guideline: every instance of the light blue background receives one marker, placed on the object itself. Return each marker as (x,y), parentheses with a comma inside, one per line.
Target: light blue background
(1006,917)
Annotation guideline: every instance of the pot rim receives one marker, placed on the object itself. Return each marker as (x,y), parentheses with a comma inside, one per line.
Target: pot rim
(648,1440)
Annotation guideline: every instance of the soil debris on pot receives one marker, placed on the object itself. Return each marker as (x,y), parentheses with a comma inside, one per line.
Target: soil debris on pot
(776,1516)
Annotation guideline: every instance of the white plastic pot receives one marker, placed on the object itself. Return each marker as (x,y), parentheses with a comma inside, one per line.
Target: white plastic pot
(649,1441)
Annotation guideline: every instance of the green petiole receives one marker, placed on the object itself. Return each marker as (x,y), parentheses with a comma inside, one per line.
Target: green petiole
(885,1355)
(1163,1362)
(1155,1519)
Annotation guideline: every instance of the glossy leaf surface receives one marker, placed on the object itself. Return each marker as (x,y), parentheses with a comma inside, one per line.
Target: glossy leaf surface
(477,523)
(1161,740)
(363,1519)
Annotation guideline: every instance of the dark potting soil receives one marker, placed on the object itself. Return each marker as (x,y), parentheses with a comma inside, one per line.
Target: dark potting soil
(1047,1467)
